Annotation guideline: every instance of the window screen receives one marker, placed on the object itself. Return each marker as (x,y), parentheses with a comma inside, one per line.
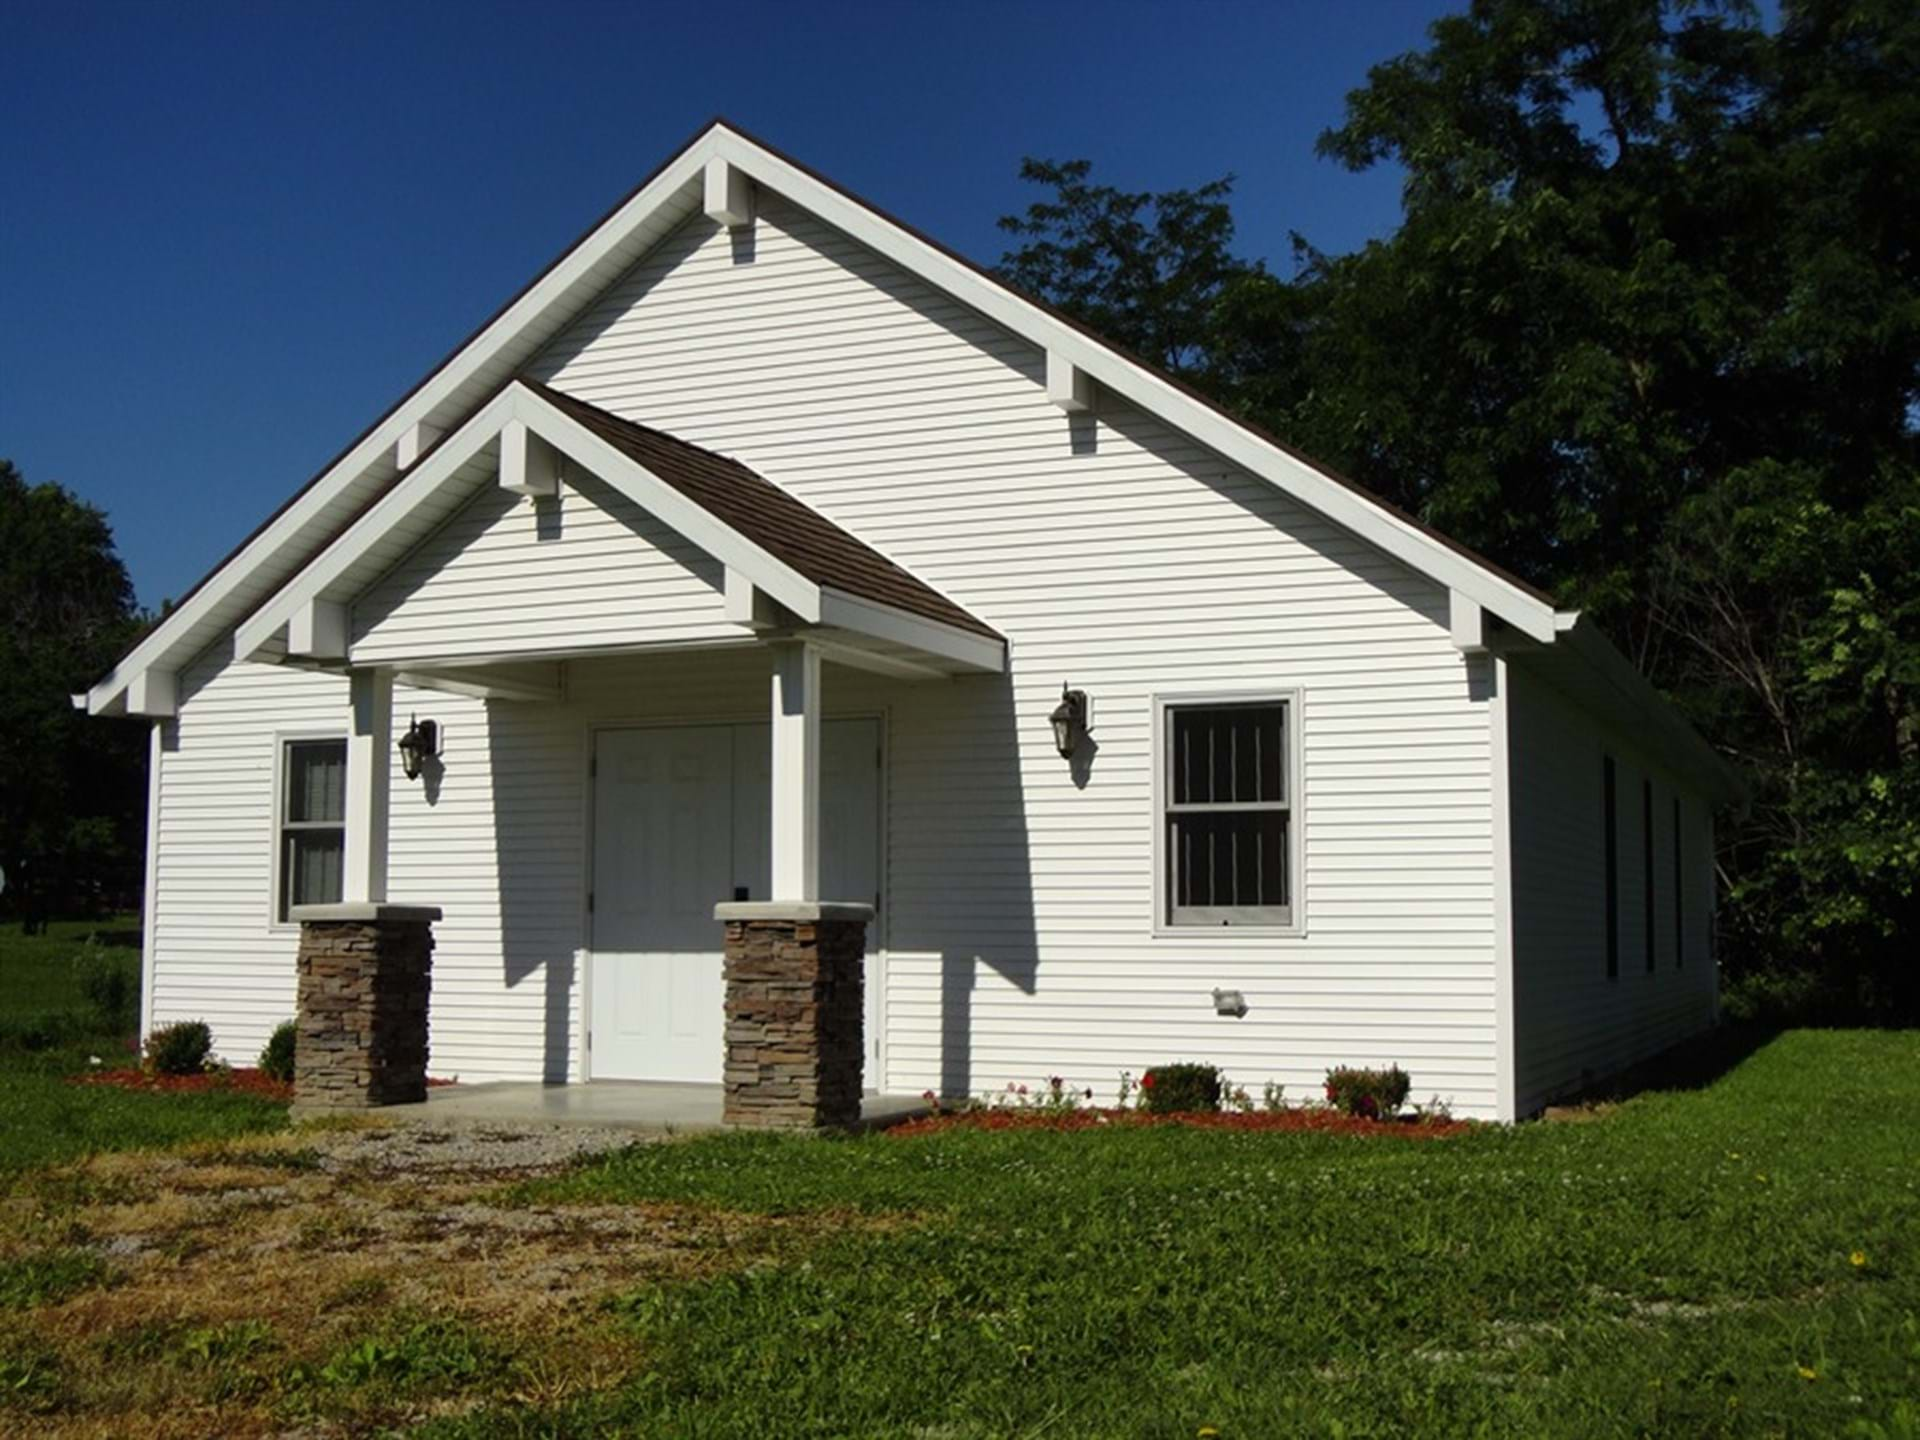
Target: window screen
(1229,814)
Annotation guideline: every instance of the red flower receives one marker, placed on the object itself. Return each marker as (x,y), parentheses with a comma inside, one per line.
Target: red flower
(1146,1081)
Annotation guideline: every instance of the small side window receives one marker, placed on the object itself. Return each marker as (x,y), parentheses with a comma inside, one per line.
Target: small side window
(313,823)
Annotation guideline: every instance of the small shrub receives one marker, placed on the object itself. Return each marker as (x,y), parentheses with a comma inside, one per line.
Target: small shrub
(1177,1089)
(179,1049)
(276,1061)
(110,983)
(1273,1098)
(1370,1094)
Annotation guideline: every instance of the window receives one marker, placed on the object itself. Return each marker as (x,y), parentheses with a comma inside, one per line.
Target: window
(1646,863)
(1611,839)
(1679,921)
(1228,823)
(313,823)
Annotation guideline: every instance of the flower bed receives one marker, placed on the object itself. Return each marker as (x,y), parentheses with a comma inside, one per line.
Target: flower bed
(248,1081)
(1319,1121)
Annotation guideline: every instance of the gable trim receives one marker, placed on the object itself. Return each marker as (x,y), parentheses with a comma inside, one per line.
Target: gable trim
(328,576)
(367,470)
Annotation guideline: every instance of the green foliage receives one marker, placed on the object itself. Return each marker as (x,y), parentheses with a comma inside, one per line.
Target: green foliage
(110,980)
(180,1048)
(1648,335)
(1144,270)
(1373,1094)
(276,1060)
(71,791)
(421,1355)
(1178,1089)
(48,1277)
(1662,1271)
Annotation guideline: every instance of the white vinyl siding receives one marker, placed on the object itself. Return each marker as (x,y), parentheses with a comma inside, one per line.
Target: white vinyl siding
(1124,557)
(1018,934)
(1576,1024)
(509,574)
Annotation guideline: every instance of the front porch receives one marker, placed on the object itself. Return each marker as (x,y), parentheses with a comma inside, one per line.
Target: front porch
(714,820)
(643,1106)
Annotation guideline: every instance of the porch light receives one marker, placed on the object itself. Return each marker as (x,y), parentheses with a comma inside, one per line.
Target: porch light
(418,745)
(1069,721)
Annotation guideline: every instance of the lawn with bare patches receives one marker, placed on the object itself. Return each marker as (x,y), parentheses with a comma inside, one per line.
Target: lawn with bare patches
(250,1285)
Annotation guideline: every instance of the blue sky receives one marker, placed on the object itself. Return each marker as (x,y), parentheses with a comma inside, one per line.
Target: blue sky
(232,234)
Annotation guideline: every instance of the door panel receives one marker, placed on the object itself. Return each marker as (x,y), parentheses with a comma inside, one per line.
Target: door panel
(681,822)
(663,840)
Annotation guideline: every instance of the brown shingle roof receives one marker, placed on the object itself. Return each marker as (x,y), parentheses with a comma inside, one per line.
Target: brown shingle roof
(755,507)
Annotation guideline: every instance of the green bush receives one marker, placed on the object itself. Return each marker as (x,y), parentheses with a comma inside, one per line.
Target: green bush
(1176,1089)
(276,1061)
(110,983)
(1371,1094)
(180,1048)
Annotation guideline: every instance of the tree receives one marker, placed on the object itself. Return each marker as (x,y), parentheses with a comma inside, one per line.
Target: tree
(1648,334)
(71,796)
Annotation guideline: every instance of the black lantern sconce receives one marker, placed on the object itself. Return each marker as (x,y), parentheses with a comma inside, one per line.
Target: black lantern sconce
(1069,720)
(419,745)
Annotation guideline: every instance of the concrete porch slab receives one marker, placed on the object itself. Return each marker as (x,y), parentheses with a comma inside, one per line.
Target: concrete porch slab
(644,1106)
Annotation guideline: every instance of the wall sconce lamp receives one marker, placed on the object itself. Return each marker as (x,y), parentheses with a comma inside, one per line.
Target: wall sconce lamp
(1069,720)
(420,744)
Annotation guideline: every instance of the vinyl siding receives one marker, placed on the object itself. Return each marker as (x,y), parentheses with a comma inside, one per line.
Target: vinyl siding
(1574,1025)
(1119,555)
(1018,921)
(508,573)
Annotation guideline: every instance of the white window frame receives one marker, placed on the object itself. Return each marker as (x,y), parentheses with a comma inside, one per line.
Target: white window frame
(276,819)
(1294,699)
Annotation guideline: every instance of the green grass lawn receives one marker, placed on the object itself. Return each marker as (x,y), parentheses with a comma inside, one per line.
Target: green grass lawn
(50,1028)
(1684,1265)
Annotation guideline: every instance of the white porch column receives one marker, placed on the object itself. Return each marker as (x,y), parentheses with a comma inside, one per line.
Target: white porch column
(369,781)
(796,771)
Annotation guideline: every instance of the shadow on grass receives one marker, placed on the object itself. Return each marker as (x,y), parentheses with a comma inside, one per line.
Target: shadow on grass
(1693,1064)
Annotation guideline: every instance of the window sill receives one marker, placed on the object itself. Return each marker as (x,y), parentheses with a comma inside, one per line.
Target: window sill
(1230,932)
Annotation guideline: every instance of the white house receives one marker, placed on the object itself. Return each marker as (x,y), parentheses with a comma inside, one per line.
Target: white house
(745,555)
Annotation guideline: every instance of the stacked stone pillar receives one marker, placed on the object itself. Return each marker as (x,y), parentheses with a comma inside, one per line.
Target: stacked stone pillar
(795,1013)
(366,973)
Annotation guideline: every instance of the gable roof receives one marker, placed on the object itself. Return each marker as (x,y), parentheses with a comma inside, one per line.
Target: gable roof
(765,538)
(760,510)
(495,353)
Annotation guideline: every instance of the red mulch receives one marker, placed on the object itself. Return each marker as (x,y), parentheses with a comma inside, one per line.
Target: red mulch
(246,1081)
(1325,1122)
(242,1082)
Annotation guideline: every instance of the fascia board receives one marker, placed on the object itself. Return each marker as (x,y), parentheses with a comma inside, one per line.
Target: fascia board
(888,622)
(312,581)
(1398,538)
(177,628)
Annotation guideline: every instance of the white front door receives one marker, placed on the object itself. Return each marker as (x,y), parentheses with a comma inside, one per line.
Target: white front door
(681,821)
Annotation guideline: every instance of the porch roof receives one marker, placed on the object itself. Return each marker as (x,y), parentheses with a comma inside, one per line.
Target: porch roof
(813,575)
(780,524)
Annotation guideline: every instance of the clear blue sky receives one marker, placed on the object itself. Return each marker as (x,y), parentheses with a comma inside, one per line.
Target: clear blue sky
(232,234)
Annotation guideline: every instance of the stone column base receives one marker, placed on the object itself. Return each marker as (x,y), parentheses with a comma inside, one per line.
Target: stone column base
(796,1015)
(365,976)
